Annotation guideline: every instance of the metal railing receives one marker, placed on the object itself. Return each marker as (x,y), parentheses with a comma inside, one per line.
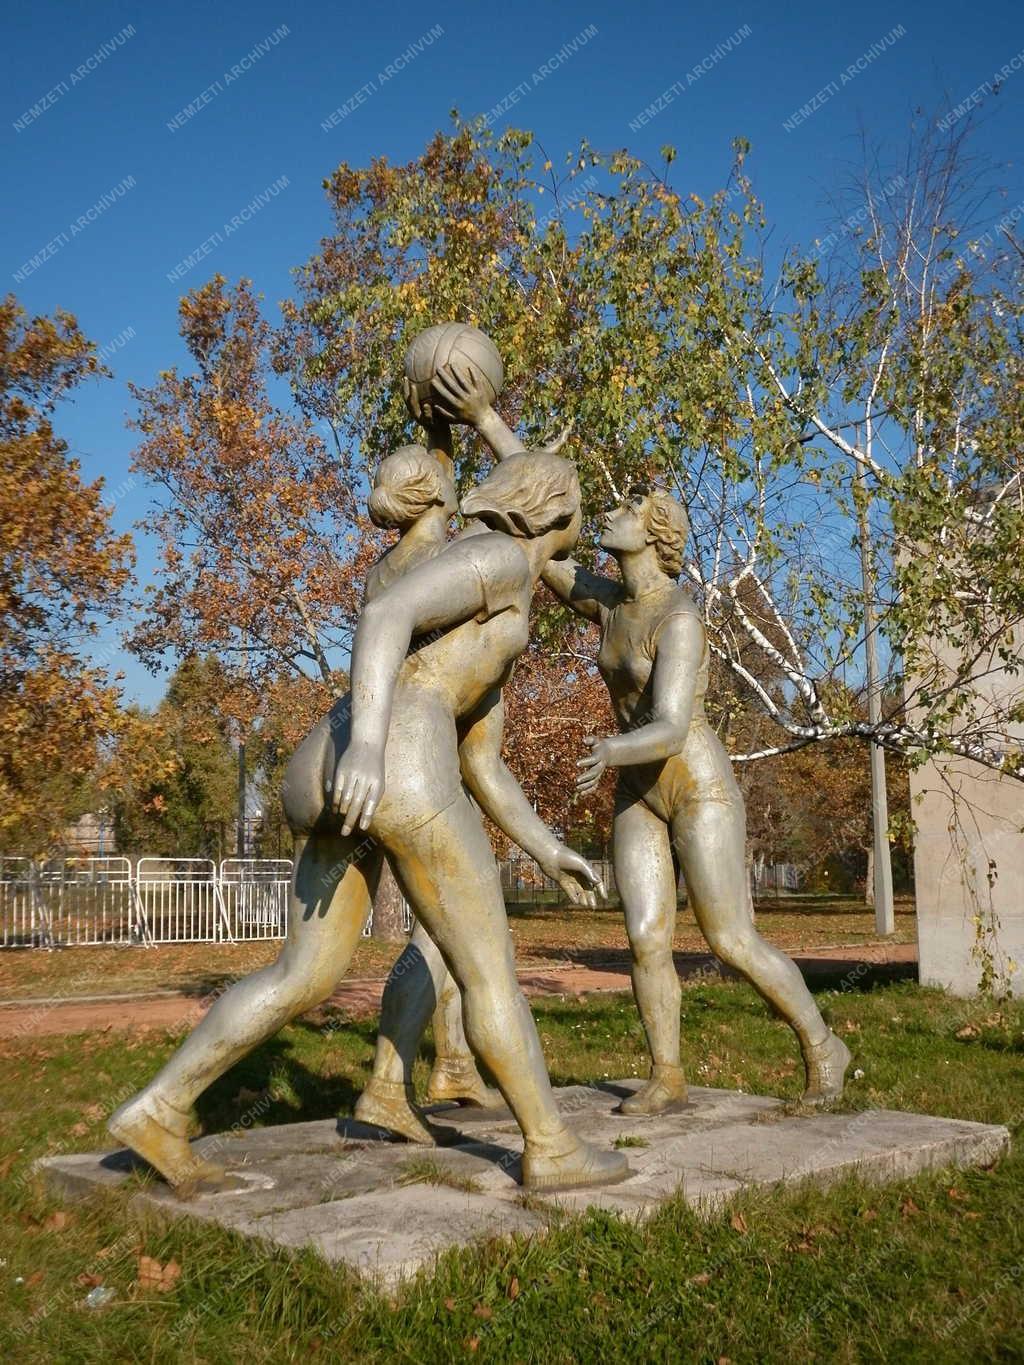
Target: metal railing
(93,901)
(254,893)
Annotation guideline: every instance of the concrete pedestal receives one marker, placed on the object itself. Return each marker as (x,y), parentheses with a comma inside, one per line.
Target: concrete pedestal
(386,1209)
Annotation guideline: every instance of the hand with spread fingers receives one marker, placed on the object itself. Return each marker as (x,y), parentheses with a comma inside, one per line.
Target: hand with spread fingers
(574,875)
(593,765)
(434,422)
(463,393)
(358,786)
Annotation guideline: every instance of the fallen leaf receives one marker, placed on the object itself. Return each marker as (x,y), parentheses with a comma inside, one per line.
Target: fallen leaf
(869,1215)
(956,1194)
(481,1310)
(34,1278)
(6,1163)
(93,1112)
(79,1129)
(908,1208)
(968,1031)
(513,1287)
(703,1278)
(450,1305)
(472,1343)
(973,1216)
(57,1221)
(87,1280)
(153,1275)
(738,1222)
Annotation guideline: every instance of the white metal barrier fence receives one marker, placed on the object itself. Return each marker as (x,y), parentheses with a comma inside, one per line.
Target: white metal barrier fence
(82,901)
(195,900)
(255,895)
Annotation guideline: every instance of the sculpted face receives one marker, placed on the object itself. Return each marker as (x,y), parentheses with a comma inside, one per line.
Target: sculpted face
(624,528)
(569,536)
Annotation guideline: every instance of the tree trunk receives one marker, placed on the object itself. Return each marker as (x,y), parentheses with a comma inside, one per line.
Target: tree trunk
(388,909)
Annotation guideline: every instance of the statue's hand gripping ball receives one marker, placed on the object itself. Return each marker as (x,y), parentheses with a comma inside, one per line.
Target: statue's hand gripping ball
(458,344)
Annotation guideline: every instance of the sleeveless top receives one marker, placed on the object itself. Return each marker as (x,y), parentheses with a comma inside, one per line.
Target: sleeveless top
(629,643)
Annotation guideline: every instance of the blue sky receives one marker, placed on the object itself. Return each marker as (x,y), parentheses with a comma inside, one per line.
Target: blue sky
(103,200)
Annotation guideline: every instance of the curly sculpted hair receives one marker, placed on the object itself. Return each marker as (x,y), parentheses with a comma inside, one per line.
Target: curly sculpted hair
(668,525)
(407,483)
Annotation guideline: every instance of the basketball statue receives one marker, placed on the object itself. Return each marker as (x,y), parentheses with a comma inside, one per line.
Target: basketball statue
(398,760)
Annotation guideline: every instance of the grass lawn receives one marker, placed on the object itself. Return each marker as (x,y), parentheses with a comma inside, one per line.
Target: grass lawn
(544,936)
(930,1268)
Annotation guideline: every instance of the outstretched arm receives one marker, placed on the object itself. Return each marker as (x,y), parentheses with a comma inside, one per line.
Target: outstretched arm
(501,798)
(662,733)
(435,595)
(579,588)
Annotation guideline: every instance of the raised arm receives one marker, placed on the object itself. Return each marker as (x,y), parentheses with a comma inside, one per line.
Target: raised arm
(439,593)
(465,399)
(580,588)
(502,799)
(663,732)
(437,430)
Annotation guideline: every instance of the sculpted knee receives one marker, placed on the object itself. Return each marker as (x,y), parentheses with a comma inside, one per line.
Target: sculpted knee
(303,795)
(300,984)
(649,944)
(731,945)
(314,991)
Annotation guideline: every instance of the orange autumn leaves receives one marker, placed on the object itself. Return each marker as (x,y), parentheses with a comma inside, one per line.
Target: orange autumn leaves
(63,572)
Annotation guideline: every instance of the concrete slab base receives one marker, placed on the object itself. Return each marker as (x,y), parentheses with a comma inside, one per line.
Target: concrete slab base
(387,1209)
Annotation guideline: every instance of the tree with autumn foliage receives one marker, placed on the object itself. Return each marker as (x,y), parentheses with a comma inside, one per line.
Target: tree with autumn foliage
(260,535)
(784,400)
(175,770)
(64,572)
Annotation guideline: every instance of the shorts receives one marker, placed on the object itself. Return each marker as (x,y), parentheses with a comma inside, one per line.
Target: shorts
(700,772)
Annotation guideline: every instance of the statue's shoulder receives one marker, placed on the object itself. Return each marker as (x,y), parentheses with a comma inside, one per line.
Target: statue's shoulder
(679,602)
(492,552)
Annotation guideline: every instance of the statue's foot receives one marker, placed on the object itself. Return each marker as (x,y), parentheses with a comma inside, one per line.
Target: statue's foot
(667,1086)
(456,1080)
(159,1134)
(570,1163)
(826,1064)
(389,1104)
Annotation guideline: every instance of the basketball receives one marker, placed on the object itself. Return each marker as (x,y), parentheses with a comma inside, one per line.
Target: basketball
(448,341)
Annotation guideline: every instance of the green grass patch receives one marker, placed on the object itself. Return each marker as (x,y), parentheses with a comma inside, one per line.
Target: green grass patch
(426,1170)
(929,1268)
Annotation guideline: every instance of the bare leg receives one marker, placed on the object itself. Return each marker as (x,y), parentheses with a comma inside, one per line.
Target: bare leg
(455,1075)
(709,838)
(646,877)
(329,900)
(410,995)
(419,983)
(448,871)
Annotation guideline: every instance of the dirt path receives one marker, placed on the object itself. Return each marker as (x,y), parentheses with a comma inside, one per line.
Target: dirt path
(175,1010)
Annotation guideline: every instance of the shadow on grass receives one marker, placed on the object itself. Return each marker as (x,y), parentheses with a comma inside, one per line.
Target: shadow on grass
(308,1094)
(821,973)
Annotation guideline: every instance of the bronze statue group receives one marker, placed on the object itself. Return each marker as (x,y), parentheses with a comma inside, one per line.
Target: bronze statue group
(404,765)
